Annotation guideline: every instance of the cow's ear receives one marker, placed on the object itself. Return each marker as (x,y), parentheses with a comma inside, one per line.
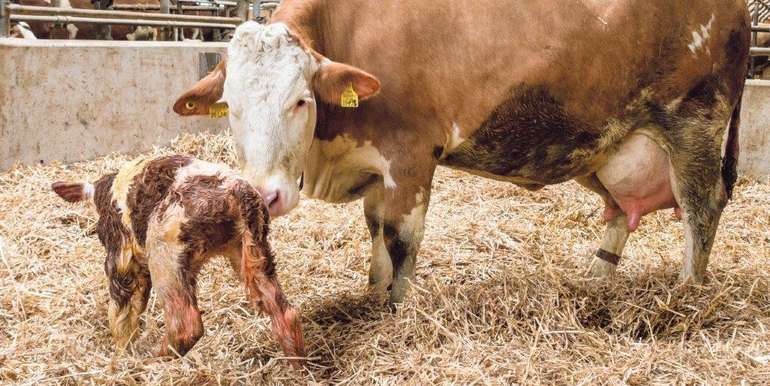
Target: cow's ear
(333,78)
(206,92)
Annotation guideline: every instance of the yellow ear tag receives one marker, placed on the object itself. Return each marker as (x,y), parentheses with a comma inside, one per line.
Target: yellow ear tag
(218,110)
(349,97)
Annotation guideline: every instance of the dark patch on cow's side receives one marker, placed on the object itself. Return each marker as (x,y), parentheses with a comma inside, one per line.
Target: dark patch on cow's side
(529,135)
(736,47)
(359,189)
(438,151)
(149,188)
(701,97)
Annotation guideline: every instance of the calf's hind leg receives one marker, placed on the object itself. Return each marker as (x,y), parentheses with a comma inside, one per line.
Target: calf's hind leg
(129,291)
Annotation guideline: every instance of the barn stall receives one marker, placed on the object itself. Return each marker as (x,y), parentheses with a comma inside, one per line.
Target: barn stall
(502,295)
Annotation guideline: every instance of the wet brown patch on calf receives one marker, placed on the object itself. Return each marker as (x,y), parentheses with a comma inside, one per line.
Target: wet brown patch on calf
(149,188)
(112,234)
(529,135)
(210,223)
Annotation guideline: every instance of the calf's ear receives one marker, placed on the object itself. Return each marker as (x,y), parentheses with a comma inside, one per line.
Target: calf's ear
(204,93)
(333,78)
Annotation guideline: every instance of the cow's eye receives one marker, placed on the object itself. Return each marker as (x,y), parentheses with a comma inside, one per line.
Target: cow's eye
(301,103)
(190,105)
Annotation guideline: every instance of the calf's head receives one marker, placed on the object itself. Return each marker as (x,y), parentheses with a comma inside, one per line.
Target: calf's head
(272,83)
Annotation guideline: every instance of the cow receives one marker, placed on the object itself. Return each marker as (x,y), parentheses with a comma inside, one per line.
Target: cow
(160,220)
(85,31)
(634,99)
(22,30)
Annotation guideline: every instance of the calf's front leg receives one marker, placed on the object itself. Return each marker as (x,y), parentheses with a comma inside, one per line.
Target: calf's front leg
(176,287)
(258,274)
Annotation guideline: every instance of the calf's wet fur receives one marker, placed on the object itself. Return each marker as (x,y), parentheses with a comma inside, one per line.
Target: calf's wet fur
(160,220)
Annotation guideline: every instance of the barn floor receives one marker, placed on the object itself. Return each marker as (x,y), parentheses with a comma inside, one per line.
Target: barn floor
(502,296)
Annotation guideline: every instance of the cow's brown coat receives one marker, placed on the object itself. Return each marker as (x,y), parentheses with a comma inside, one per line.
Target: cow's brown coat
(540,92)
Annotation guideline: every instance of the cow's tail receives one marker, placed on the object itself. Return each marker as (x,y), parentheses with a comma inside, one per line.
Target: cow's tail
(732,149)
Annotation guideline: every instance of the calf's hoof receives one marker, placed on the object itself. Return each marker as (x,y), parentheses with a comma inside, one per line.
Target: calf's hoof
(181,343)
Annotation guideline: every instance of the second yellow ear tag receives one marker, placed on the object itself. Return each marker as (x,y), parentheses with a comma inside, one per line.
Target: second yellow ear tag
(349,97)
(218,110)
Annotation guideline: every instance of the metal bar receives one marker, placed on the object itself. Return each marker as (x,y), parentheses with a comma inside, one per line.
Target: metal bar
(72,12)
(5,22)
(759,51)
(256,9)
(218,2)
(165,8)
(754,22)
(243,10)
(149,7)
(179,31)
(103,21)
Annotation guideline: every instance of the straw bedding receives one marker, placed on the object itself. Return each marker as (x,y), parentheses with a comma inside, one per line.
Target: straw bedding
(501,296)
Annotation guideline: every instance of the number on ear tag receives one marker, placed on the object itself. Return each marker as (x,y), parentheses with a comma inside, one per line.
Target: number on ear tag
(349,98)
(218,110)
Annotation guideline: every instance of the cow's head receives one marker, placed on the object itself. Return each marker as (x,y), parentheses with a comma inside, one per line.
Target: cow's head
(272,83)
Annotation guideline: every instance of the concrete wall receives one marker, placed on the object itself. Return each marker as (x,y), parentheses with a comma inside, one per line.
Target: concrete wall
(76,100)
(755,129)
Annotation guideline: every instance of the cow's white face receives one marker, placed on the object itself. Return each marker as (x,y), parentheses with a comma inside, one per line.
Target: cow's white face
(272,109)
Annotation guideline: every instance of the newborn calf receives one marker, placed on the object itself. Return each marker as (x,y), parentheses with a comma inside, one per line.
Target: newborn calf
(160,221)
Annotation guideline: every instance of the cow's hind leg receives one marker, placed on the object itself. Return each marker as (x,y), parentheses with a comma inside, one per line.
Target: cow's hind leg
(607,257)
(695,143)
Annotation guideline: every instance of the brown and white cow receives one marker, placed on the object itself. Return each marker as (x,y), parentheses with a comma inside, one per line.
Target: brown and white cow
(160,220)
(631,98)
(85,31)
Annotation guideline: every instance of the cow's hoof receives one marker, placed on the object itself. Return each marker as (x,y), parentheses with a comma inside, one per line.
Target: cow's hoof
(691,278)
(601,269)
(379,287)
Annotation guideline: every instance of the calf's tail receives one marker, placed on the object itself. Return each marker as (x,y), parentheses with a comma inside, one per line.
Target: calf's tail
(74,191)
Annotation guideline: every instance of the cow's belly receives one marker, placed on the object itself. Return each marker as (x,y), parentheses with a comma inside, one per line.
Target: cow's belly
(637,177)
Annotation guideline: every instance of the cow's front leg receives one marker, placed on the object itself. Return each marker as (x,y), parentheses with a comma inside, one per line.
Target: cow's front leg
(405,203)
(380,268)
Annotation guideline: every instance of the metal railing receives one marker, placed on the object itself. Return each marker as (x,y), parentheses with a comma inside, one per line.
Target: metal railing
(760,12)
(127,15)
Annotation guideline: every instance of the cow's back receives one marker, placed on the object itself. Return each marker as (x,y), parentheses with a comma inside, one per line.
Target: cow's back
(571,68)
